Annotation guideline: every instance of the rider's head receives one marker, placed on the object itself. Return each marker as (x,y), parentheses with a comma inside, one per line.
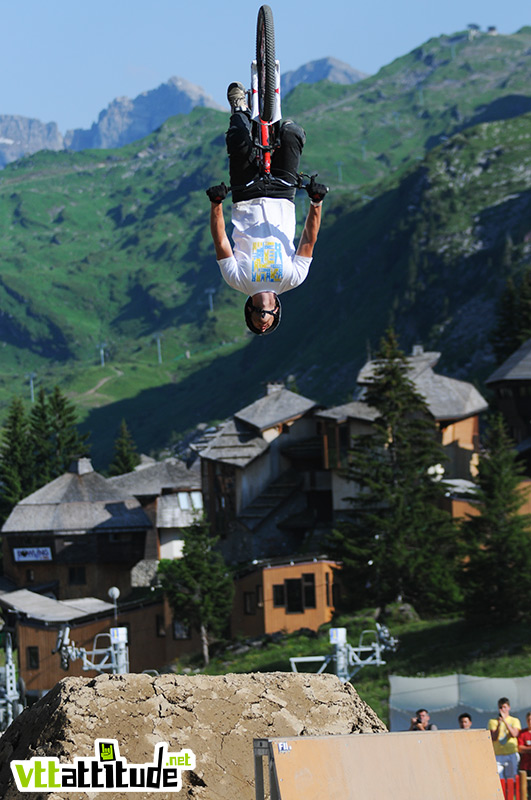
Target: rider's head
(262,313)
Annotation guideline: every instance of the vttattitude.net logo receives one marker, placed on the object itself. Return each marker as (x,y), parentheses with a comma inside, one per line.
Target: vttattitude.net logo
(106,772)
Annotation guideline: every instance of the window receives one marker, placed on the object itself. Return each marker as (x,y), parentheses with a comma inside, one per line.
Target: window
(159,625)
(180,630)
(197,500)
(279,595)
(185,503)
(249,603)
(294,603)
(30,575)
(259,595)
(295,594)
(32,658)
(76,576)
(308,585)
(327,582)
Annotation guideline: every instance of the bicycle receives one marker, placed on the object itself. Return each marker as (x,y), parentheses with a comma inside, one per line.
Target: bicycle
(265,107)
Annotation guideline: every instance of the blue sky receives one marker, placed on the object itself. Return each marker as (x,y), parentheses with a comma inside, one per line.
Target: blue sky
(65,60)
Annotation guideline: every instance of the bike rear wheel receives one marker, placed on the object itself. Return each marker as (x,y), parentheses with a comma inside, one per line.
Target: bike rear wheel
(265,60)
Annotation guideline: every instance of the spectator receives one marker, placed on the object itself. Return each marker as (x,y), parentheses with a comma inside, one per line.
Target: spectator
(465,721)
(504,731)
(422,722)
(524,745)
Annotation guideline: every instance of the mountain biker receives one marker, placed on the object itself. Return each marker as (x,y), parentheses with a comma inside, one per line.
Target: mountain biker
(264,262)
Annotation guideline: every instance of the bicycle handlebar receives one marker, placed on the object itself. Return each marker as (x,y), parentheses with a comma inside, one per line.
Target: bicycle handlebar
(268,178)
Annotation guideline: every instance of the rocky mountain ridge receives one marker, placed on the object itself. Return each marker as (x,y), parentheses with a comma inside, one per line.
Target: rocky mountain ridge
(20,136)
(324,69)
(125,120)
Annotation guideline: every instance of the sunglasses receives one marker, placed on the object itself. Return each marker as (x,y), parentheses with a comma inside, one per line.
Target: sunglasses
(262,311)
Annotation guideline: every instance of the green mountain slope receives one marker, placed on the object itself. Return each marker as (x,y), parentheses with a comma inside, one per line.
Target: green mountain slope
(110,250)
(360,133)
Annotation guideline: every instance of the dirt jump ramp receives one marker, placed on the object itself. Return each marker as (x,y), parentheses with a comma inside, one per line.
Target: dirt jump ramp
(215,717)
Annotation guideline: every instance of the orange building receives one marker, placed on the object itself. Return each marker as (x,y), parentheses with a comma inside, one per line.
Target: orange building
(154,638)
(285,596)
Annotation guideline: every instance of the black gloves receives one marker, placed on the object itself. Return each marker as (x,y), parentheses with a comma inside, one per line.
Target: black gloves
(217,194)
(316,191)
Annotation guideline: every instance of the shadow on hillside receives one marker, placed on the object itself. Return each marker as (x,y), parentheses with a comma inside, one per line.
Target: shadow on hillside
(508,107)
(512,105)
(51,343)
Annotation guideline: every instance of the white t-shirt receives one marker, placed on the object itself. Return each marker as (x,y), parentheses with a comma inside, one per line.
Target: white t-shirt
(264,257)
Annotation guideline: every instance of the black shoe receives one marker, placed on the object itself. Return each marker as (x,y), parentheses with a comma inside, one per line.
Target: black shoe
(237,97)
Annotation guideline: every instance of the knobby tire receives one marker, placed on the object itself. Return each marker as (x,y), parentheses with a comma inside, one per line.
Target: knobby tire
(265,60)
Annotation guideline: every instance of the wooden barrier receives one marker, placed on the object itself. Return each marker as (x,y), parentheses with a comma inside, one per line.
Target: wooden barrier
(446,765)
(515,788)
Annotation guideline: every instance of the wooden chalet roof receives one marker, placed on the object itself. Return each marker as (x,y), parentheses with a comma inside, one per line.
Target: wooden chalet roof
(45,609)
(172,473)
(418,363)
(446,398)
(516,368)
(236,444)
(278,406)
(80,500)
(354,410)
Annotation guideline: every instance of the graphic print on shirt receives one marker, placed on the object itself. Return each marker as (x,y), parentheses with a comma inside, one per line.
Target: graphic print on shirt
(266,262)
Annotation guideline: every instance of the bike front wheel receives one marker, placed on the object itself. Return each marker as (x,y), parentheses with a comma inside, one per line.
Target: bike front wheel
(265,61)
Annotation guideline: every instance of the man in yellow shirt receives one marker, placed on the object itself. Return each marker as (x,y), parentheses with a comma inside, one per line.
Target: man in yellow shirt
(504,731)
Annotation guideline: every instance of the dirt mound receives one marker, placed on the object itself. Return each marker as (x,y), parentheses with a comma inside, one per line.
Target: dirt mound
(215,717)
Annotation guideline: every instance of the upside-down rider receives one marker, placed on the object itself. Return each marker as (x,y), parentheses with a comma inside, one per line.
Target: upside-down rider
(264,262)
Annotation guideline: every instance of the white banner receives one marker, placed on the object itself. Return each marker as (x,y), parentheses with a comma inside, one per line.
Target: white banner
(32,553)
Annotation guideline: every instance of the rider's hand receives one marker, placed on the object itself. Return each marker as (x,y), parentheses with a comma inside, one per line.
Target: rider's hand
(316,191)
(217,194)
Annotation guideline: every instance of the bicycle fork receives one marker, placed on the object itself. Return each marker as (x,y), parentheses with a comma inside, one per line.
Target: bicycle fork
(265,146)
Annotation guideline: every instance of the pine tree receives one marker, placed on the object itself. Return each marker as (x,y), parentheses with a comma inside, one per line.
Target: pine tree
(497,576)
(66,441)
(397,541)
(198,585)
(513,321)
(504,335)
(40,440)
(126,456)
(16,467)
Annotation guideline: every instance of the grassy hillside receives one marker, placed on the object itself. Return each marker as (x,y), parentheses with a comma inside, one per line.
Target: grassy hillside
(426,218)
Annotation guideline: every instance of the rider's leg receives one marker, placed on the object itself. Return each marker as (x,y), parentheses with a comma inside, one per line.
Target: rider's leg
(242,164)
(286,158)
